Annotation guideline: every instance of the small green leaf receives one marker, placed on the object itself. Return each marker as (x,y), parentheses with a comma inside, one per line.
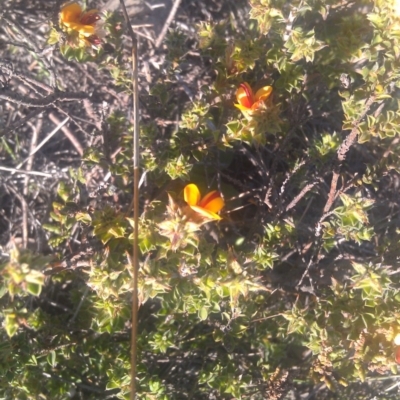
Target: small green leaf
(203,313)
(51,358)
(33,288)
(63,191)
(11,324)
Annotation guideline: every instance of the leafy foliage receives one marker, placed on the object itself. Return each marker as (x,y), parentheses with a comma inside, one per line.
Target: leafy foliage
(295,287)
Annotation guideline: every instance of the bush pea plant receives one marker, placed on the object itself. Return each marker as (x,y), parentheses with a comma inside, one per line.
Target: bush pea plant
(269,208)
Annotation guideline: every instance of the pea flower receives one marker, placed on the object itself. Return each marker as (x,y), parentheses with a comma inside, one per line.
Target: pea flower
(396,342)
(397,8)
(208,206)
(81,25)
(248,101)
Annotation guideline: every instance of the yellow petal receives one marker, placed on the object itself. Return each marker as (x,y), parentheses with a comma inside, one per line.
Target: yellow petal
(397,8)
(70,13)
(205,213)
(191,194)
(242,108)
(263,93)
(396,340)
(84,30)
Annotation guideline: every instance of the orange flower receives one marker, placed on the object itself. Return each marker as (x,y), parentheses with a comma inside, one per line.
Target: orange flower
(81,24)
(248,101)
(397,354)
(208,206)
(396,342)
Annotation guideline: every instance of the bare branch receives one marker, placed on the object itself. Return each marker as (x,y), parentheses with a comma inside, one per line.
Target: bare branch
(45,102)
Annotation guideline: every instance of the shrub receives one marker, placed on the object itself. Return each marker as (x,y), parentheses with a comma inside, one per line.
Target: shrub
(295,289)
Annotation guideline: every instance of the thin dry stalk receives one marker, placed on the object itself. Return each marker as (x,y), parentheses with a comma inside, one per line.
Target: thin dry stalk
(135,304)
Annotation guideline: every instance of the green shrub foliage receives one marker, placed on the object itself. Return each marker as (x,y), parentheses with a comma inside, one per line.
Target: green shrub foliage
(297,287)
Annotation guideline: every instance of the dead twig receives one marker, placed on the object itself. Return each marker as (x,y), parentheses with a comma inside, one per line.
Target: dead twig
(45,101)
(24,209)
(69,135)
(18,123)
(24,172)
(44,141)
(302,193)
(36,130)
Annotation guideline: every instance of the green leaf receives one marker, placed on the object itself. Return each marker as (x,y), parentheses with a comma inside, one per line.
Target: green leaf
(359,268)
(34,276)
(203,313)
(83,217)
(11,324)
(63,191)
(34,288)
(51,358)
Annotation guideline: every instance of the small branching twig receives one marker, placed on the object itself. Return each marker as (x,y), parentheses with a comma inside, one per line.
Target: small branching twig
(302,193)
(342,152)
(289,175)
(31,46)
(25,212)
(333,192)
(19,122)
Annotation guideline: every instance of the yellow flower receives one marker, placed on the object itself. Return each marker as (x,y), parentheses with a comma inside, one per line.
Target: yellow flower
(397,8)
(208,206)
(396,340)
(81,24)
(248,101)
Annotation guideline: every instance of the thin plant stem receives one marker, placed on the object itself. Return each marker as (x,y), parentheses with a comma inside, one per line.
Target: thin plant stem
(135,260)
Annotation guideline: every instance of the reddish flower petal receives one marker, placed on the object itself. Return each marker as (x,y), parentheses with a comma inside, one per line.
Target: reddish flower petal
(249,92)
(208,197)
(397,354)
(215,205)
(94,40)
(90,17)
(244,95)
(212,202)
